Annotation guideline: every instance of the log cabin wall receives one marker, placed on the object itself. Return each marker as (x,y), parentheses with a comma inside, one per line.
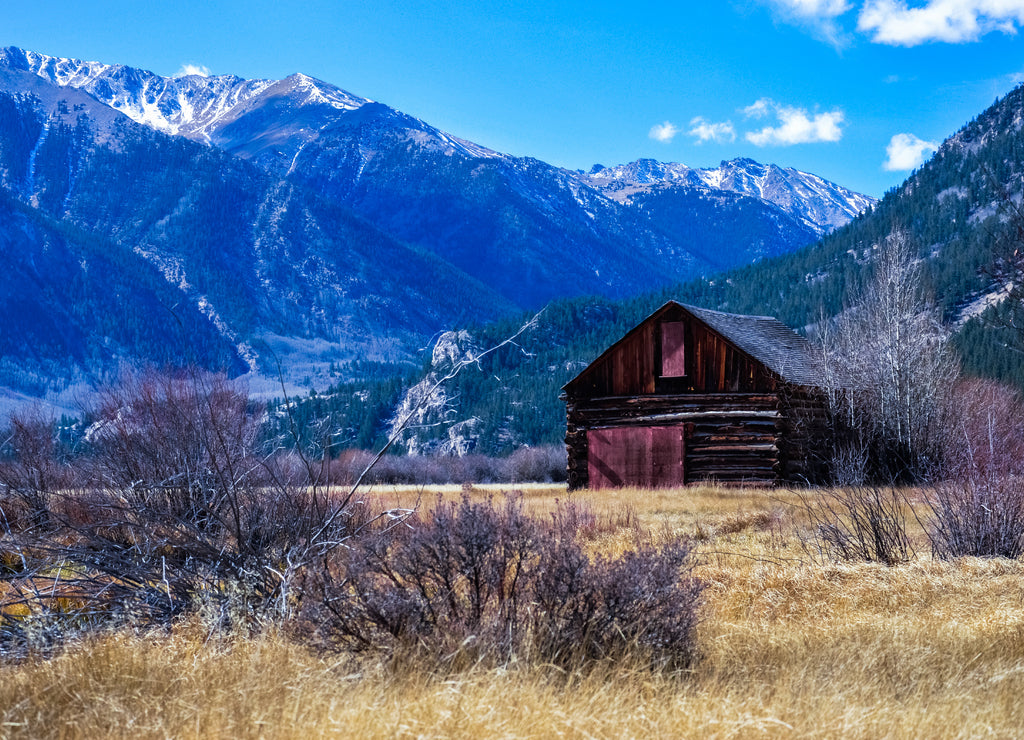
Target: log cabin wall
(805,435)
(730,438)
(742,422)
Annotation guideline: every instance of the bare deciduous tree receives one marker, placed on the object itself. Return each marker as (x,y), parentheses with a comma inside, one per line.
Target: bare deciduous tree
(890,373)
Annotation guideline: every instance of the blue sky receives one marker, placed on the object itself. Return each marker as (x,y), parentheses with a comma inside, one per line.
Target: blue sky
(854,90)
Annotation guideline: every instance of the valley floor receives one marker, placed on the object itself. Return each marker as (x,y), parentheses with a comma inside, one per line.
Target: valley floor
(792,646)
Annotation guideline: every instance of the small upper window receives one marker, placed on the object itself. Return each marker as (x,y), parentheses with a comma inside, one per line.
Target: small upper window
(673,349)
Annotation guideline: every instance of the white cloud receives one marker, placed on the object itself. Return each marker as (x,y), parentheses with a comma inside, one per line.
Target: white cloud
(952,21)
(907,152)
(796,125)
(663,132)
(193,69)
(760,109)
(820,16)
(704,130)
(903,22)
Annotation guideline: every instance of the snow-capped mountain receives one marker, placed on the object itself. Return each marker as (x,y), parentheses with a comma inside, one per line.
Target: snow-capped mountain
(289,219)
(821,205)
(196,106)
(209,108)
(191,105)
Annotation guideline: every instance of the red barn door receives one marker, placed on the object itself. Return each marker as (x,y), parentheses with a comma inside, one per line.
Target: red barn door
(648,457)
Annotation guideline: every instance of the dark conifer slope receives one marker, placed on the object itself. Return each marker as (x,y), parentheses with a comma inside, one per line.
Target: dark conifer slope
(961,209)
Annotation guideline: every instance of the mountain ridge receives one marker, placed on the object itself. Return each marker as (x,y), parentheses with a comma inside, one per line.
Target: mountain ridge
(781,186)
(299,224)
(161,103)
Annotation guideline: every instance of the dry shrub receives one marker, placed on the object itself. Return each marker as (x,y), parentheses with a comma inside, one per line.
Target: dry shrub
(979,509)
(478,582)
(179,512)
(982,518)
(988,437)
(34,468)
(544,464)
(865,524)
(174,442)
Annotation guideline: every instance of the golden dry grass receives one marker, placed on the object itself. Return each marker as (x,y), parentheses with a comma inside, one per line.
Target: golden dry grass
(791,648)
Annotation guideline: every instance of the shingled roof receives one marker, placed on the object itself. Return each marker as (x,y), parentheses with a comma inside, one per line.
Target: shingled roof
(767,340)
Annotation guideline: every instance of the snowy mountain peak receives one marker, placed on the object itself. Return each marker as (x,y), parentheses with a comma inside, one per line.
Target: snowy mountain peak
(821,205)
(642,171)
(285,124)
(191,105)
(204,108)
(318,92)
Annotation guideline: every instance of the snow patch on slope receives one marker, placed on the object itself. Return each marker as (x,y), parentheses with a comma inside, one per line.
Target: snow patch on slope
(173,271)
(30,176)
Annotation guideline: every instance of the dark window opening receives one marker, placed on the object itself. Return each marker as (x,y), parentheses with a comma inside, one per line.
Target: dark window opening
(673,349)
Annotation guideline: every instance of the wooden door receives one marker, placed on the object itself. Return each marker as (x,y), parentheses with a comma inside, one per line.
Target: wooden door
(647,457)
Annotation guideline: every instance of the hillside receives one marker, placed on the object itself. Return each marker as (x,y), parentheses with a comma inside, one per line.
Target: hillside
(129,245)
(287,225)
(957,209)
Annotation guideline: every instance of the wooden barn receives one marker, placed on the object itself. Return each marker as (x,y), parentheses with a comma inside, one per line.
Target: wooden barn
(692,394)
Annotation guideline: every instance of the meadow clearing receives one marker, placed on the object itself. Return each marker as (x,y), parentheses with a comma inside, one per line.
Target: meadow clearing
(791,645)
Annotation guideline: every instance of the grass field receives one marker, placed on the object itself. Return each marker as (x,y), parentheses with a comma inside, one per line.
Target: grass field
(792,646)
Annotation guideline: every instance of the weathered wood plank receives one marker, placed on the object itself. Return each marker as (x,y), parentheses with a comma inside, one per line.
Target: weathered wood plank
(743,422)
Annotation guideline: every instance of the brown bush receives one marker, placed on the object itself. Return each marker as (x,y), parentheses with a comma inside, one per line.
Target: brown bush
(34,469)
(859,524)
(477,582)
(177,512)
(983,517)
(544,464)
(987,438)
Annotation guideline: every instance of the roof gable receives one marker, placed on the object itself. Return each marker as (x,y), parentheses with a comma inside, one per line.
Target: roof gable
(765,339)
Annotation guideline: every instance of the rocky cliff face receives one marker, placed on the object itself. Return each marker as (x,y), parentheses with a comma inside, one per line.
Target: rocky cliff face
(426,406)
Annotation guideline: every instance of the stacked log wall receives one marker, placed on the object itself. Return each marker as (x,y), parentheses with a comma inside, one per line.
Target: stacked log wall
(732,438)
(806,436)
